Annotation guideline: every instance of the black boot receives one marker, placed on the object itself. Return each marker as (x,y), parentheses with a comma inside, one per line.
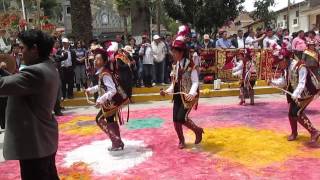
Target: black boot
(179,131)
(294,128)
(78,87)
(251,95)
(306,123)
(241,96)
(196,129)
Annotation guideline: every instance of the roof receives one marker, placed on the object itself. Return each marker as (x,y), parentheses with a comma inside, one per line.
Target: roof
(253,23)
(292,6)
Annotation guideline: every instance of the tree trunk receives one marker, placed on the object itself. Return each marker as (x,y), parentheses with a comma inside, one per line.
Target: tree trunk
(158,17)
(140,18)
(81,20)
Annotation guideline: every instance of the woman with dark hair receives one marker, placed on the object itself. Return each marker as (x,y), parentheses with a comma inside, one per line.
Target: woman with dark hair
(185,87)
(108,89)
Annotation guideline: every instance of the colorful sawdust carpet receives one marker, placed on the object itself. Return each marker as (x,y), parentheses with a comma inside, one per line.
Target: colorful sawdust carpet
(239,143)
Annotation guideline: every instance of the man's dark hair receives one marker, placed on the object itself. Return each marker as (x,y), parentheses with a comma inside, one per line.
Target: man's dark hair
(36,38)
(312,32)
(240,30)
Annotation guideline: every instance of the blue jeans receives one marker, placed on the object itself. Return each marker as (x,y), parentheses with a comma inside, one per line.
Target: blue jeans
(159,71)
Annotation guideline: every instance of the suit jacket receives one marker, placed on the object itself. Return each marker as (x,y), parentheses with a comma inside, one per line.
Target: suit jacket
(31,129)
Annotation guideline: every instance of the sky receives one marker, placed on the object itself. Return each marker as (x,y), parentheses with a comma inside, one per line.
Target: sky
(279,4)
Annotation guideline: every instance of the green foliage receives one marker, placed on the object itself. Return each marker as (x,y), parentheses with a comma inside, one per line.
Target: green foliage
(262,11)
(204,15)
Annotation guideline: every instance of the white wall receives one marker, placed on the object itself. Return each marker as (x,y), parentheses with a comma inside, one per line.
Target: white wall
(303,20)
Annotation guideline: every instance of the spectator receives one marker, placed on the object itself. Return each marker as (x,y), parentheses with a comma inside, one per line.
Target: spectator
(32,132)
(279,36)
(312,36)
(250,29)
(207,43)
(4,44)
(239,42)
(223,42)
(269,40)
(253,42)
(67,72)
(259,33)
(135,55)
(168,59)
(80,68)
(16,54)
(147,60)
(159,54)
(299,44)
(119,40)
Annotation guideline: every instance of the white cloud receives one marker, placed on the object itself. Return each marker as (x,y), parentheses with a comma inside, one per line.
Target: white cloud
(279,4)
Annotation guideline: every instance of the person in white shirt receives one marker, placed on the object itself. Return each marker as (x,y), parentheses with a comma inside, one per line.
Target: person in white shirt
(159,54)
(107,90)
(4,47)
(252,42)
(147,61)
(186,92)
(270,39)
(301,91)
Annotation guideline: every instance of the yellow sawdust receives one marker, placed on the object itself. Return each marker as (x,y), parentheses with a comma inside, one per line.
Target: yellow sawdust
(248,146)
(71,127)
(77,171)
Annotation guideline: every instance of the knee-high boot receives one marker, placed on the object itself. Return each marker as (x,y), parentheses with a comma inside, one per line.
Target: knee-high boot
(198,131)
(115,137)
(294,128)
(241,96)
(306,123)
(179,131)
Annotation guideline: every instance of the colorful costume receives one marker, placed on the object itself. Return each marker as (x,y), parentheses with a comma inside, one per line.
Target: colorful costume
(123,69)
(246,70)
(112,97)
(303,86)
(311,59)
(185,80)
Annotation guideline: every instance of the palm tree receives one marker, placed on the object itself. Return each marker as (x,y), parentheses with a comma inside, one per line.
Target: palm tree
(81,19)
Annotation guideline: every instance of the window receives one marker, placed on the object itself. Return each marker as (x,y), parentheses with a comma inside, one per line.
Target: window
(297,13)
(285,17)
(295,21)
(30,20)
(68,10)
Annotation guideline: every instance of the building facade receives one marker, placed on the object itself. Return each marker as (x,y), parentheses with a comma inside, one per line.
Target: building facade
(105,18)
(302,16)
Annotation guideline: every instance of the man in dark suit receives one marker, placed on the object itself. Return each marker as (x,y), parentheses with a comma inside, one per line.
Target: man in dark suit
(31,130)
(67,69)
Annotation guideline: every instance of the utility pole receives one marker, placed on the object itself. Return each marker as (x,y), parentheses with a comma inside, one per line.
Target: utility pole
(158,16)
(23,12)
(288,15)
(4,6)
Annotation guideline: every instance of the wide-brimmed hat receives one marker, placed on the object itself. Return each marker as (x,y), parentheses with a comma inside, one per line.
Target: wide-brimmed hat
(311,43)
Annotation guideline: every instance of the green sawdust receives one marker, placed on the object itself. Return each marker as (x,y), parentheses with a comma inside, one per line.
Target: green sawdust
(144,123)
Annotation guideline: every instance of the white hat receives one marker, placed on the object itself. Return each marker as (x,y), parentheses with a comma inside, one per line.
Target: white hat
(155,37)
(65,40)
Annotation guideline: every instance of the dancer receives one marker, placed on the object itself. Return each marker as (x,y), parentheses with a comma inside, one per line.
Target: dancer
(185,86)
(245,68)
(311,58)
(111,98)
(301,87)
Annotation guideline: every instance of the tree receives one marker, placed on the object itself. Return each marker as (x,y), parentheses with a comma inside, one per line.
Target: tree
(262,11)
(81,19)
(204,15)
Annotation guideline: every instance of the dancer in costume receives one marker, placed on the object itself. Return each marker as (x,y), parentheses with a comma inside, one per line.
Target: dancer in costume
(246,70)
(311,58)
(111,98)
(301,87)
(185,87)
(124,66)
